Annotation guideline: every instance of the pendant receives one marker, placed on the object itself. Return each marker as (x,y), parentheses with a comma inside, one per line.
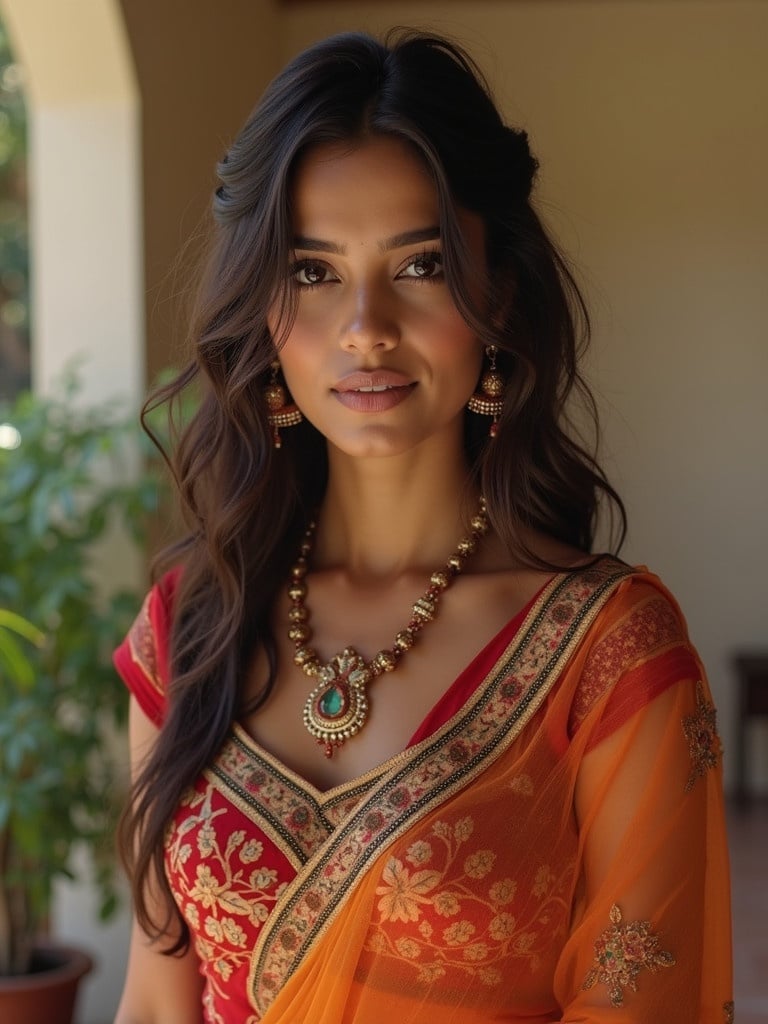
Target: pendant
(337,708)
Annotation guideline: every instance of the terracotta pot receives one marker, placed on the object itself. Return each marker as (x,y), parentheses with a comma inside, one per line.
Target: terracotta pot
(47,994)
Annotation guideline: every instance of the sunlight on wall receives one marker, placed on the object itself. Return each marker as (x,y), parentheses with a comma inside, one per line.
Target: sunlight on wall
(87,288)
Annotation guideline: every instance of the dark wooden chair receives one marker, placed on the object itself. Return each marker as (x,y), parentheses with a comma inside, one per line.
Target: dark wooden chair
(752,675)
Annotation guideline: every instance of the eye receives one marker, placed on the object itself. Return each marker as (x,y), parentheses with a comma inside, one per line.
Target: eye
(427,266)
(310,273)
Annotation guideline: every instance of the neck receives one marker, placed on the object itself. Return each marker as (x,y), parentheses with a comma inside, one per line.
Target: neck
(387,516)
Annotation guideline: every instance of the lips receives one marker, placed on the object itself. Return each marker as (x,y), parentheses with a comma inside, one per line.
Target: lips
(374,391)
(374,380)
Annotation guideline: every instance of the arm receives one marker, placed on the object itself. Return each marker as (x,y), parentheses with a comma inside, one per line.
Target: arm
(158,989)
(650,938)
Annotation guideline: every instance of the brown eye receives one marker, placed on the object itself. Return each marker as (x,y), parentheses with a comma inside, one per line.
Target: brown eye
(309,274)
(424,268)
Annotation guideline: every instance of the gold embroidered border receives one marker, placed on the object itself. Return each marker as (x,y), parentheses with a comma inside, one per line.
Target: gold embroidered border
(297,822)
(432,771)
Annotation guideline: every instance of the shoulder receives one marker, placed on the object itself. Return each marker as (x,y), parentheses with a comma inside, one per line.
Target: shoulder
(637,647)
(143,658)
(639,617)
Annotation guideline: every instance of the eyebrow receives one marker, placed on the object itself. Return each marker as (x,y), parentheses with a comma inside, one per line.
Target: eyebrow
(430,234)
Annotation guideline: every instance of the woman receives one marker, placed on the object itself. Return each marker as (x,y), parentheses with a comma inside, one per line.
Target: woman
(404,749)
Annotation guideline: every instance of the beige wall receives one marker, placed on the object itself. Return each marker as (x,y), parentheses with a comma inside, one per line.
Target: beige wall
(200,67)
(651,123)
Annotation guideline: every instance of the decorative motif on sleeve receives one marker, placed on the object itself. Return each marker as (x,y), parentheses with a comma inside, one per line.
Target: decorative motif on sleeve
(621,953)
(141,640)
(703,741)
(728,1011)
(645,632)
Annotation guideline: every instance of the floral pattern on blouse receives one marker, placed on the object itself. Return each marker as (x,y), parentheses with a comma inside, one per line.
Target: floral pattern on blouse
(621,953)
(223,888)
(703,741)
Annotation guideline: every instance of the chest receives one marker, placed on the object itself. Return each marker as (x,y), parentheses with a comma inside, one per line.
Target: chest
(470,616)
(255,857)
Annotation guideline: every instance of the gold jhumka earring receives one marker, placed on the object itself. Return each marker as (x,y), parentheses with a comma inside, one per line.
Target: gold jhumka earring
(281,411)
(489,400)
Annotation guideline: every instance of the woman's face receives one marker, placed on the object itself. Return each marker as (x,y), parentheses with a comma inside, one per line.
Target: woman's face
(378,359)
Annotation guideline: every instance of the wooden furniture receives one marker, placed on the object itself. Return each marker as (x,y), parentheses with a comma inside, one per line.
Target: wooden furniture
(752,674)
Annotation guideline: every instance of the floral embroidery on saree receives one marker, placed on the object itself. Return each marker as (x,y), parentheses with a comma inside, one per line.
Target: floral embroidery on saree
(703,741)
(459,914)
(621,953)
(430,773)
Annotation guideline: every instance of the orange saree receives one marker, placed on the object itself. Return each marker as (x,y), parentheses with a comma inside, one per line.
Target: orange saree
(553,851)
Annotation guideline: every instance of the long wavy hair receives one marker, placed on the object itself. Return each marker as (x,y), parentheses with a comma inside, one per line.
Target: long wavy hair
(244,503)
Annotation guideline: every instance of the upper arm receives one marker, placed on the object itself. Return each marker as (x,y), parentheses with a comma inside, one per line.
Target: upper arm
(650,935)
(158,989)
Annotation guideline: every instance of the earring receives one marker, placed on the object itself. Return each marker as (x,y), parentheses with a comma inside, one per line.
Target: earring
(281,412)
(489,400)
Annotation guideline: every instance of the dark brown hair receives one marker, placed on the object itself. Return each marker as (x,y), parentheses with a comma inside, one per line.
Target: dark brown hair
(244,503)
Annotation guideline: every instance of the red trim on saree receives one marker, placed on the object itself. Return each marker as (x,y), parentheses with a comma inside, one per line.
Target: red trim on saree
(430,772)
(648,629)
(644,652)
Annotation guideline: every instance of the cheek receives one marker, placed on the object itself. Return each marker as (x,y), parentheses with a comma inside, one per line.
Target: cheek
(458,349)
(300,360)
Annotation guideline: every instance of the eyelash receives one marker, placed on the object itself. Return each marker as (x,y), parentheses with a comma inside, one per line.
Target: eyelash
(300,265)
(425,257)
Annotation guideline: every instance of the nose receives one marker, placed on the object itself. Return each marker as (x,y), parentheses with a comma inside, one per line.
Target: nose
(371,322)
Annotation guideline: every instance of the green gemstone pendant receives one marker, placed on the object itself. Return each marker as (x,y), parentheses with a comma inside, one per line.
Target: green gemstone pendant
(337,708)
(333,702)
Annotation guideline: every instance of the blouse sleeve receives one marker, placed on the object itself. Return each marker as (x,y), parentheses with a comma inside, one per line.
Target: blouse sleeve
(142,658)
(650,933)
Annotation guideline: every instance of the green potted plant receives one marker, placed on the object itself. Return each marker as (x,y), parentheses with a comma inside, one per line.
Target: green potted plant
(68,473)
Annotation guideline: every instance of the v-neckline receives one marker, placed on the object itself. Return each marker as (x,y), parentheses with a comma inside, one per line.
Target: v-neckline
(502,643)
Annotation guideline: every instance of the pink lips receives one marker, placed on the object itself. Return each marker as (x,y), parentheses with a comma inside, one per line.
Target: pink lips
(375,391)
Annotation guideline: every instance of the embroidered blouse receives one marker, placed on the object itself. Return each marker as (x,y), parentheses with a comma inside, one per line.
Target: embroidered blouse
(456,881)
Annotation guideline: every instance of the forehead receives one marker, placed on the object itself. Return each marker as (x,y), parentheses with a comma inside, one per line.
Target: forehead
(379,180)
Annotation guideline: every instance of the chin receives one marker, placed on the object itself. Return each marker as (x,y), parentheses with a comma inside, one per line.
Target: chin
(376,442)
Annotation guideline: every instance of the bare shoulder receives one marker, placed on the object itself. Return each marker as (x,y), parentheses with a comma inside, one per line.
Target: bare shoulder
(515,581)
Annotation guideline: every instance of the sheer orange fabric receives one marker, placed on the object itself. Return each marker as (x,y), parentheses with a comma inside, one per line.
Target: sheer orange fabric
(555,851)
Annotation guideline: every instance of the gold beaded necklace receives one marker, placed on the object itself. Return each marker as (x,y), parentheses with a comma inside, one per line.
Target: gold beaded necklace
(337,708)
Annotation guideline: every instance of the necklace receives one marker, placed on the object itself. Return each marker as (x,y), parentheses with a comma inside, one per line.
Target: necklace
(337,708)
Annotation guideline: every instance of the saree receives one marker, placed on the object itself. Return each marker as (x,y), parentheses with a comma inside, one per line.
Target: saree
(551,848)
